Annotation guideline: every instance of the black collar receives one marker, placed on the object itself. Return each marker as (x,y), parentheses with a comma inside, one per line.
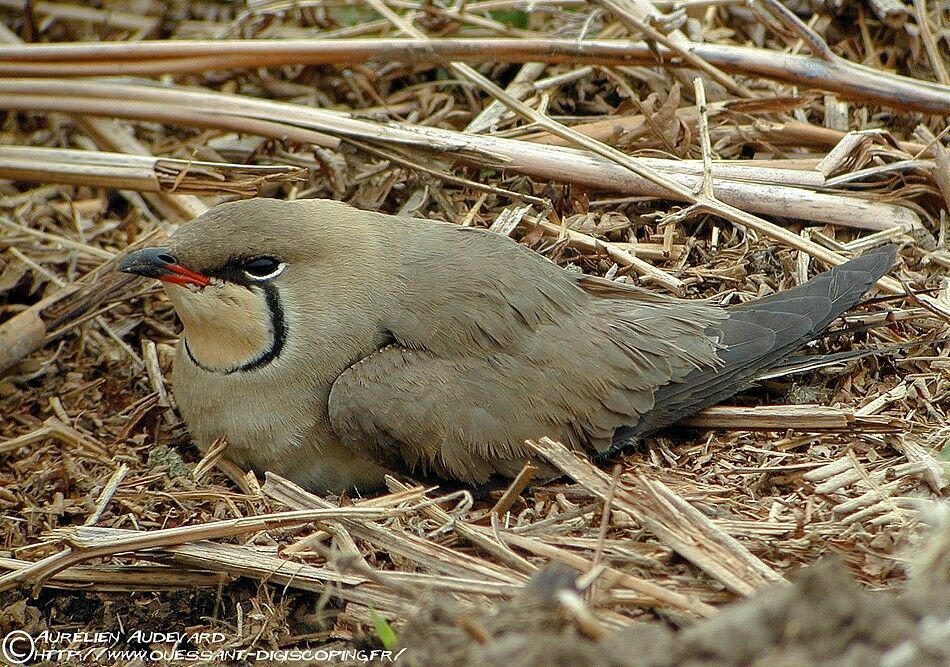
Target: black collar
(278,326)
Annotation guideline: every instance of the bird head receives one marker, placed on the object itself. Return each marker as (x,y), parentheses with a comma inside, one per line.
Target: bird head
(231,272)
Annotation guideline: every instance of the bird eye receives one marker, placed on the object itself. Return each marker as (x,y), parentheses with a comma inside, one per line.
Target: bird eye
(263,268)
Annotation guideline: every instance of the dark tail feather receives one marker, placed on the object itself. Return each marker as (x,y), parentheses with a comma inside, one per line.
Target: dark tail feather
(760,334)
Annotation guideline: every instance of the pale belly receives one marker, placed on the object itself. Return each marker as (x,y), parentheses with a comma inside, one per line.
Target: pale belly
(270,428)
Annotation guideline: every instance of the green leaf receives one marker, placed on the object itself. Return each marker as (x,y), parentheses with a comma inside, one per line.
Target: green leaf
(383,630)
(511,17)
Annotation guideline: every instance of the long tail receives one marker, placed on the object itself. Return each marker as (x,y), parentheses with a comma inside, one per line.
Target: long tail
(760,334)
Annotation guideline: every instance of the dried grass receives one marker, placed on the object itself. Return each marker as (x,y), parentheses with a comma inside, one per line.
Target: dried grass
(100,492)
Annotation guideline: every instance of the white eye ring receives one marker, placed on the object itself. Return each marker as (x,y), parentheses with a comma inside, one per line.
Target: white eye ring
(278,269)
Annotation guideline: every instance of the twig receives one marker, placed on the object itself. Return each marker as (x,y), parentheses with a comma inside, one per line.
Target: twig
(704,142)
(106,495)
(618,254)
(680,47)
(930,44)
(788,18)
(605,518)
(518,484)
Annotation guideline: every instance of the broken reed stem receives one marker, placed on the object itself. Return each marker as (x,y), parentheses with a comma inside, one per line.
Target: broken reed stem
(671,519)
(518,484)
(753,189)
(675,42)
(801,417)
(127,578)
(174,56)
(136,172)
(85,543)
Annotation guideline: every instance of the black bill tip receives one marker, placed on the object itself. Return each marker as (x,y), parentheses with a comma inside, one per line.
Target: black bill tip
(161,264)
(148,262)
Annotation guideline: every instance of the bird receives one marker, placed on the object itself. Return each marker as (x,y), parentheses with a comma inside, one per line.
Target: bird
(334,346)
